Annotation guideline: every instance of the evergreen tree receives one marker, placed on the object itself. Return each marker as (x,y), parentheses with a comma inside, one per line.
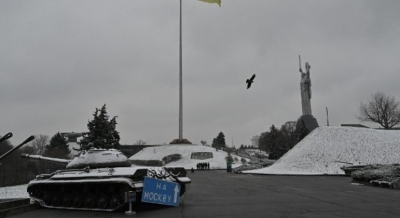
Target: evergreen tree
(221,139)
(219,142)
(102,133)
(273,148)
(229,158)
(301,130)
(57,148)
(214,143)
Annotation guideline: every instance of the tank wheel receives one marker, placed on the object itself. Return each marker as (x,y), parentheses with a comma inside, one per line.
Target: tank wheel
(85,189)
(56,199)
(90,200)
(77,200)
(63,189)
(102,201)
(67,200)
(47,197)
(112,188)
(36,192)
(183,189)
(123,190)
(115,201)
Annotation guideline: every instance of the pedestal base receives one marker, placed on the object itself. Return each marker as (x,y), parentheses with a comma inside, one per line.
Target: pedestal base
(130,212)
(180,141)
(310,122)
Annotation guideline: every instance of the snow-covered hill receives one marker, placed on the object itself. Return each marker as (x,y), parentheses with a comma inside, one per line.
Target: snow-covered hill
(324,150)
(157,153)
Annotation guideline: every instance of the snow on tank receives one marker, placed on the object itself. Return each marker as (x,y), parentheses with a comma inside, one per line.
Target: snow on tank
(97,158)
(93,158)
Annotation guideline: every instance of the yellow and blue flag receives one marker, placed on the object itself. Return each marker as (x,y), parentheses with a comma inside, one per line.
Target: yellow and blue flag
(212,1)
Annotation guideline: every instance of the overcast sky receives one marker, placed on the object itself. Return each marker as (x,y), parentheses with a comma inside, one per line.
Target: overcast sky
(59,60)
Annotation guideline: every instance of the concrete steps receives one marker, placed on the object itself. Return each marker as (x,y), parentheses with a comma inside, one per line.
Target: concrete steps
(9,207)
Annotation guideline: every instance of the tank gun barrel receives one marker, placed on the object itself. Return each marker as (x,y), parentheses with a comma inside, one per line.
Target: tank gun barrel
(16,147)
(7,136)
(50,159)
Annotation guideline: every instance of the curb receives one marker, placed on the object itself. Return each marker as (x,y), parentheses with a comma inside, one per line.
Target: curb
(16,206)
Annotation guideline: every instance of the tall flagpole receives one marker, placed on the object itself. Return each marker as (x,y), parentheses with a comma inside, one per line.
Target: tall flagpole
(180,72)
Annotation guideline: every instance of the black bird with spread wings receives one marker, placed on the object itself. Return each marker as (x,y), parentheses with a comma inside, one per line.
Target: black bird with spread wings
(250,81)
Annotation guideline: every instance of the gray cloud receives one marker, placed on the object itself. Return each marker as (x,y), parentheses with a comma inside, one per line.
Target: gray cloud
(59,60)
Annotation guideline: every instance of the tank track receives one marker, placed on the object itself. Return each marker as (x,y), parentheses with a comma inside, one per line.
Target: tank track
(81,196)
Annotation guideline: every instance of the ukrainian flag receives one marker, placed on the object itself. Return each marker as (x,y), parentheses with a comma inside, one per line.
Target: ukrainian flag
(212,1)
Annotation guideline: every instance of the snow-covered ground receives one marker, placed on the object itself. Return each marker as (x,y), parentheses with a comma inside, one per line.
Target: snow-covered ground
(10,192)
(253,152)
(325,149)
(157,153)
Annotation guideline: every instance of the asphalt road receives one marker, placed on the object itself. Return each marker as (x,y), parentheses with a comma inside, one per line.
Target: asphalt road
(221,194)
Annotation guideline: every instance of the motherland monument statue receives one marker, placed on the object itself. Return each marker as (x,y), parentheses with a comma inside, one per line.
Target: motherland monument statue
(305,91)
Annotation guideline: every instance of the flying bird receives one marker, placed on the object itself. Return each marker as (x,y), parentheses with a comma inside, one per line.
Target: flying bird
(250,81)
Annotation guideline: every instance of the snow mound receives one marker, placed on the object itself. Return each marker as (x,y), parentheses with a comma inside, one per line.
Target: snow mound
(157,153)
(326,149)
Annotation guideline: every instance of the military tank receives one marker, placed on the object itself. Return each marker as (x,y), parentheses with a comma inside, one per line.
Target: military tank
(349,169)
(97,179)
(9,135)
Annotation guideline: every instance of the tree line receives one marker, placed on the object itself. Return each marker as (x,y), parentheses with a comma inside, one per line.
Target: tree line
(276,142)
(101,134)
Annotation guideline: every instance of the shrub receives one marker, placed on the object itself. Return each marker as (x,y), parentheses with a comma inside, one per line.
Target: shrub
(261,156)
(377,172)
(229,158)
(171,158)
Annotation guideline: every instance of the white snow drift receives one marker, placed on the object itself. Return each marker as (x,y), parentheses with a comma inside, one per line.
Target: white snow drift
(11,192)
(325,149)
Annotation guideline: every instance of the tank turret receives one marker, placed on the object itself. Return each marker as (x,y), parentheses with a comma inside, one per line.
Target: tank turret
(93,158)
(97,180)
(9,135)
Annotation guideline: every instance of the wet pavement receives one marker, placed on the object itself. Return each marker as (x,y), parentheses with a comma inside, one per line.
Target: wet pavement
(217,193)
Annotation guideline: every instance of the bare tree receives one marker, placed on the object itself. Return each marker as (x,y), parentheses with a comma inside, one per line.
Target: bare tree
(140,142)
(38,145)
(382,109)
(203,142)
